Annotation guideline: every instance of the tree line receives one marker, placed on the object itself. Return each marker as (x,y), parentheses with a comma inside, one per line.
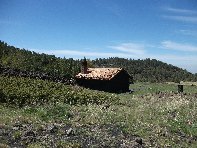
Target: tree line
(147,70)
(31,61)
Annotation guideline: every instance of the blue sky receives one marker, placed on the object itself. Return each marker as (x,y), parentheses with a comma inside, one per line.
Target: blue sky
(158,29)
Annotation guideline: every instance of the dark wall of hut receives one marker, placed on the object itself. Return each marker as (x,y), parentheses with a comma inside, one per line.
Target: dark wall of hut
(120,83)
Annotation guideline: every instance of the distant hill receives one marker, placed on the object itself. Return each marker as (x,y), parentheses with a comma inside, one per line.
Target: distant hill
(142,70)
(148,70)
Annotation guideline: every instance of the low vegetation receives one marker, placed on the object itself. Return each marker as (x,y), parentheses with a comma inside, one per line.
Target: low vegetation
(145,88)
(26,91)
(155,115)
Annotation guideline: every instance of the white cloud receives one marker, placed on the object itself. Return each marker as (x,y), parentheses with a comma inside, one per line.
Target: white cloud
(178,46)
(177,10)
(191,19)
(165,57)
(192,33)
(133,48)
(188,62)
(88,54)
(184,15)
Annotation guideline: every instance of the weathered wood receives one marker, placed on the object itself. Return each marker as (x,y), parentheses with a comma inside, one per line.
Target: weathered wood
(119,83)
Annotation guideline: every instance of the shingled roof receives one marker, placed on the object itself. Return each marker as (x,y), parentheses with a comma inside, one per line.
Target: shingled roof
(99,73)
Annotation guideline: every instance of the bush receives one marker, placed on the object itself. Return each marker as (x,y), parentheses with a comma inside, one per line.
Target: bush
(26,91)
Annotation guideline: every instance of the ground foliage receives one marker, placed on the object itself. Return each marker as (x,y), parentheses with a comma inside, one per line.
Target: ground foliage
(7,71)
(162,118)
(25,91)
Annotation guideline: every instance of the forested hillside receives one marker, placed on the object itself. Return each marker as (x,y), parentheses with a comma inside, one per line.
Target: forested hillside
(142,70)
(31,61)
(148,70)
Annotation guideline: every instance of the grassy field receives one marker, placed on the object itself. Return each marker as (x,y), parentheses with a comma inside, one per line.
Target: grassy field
(144,88)
(154,115)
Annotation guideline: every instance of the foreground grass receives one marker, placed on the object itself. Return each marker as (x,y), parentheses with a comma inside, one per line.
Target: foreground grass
(164,119)
(159,116)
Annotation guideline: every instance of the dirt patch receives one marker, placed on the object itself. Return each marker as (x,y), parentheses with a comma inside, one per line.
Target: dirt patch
(59,135)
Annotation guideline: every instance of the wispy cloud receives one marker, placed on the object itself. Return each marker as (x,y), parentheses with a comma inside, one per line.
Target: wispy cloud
(90,54)
(169,58)
(133,48)
(79,53)
(177,10)
(137,51)
(177,14)
(188,32)
(178,46)
(191,19)
(188,62)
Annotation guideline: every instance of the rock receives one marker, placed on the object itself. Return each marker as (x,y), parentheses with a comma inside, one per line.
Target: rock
(30,134)
(28,137)
(70,132)
(53,129)
(139,140)
(15,128)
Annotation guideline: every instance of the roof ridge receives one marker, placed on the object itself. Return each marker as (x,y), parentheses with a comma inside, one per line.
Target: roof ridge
(100,73)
